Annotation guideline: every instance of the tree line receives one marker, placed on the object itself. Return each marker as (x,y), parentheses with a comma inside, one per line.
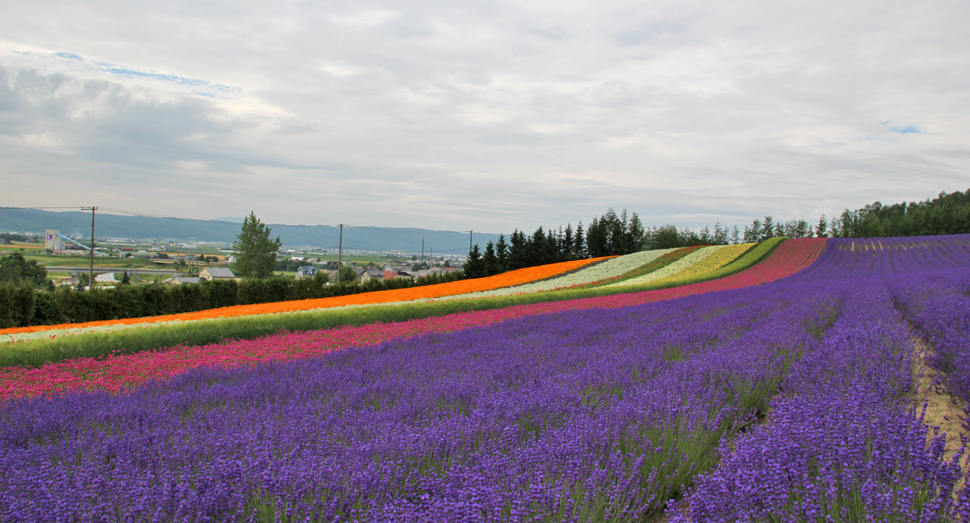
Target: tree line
(607,235)
(623,233)
(948,213)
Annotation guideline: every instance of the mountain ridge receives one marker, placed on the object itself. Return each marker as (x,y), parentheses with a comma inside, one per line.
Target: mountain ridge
(185,229)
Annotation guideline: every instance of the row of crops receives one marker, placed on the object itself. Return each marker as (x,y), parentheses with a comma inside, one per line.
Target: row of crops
(782,390)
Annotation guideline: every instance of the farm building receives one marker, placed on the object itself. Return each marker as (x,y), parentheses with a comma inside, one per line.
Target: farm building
(306,271)
(216,273)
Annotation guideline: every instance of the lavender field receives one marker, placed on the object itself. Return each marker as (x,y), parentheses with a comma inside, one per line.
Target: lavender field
(789,401)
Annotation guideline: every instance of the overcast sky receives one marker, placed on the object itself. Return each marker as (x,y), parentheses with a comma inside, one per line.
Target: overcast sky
(483,115)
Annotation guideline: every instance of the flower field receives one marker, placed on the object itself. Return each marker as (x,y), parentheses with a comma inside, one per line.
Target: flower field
(507,279)
(613,268)
(718,259)
(674,268)
(608,408)
(125,370)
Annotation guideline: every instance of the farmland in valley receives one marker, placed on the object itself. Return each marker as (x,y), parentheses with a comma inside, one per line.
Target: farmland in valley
(768,382)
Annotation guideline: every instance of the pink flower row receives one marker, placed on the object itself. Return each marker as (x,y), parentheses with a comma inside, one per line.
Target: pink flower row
(119,371)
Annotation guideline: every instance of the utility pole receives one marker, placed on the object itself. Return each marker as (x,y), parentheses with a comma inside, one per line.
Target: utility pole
(91,273)
(422,248)
(340,253)
(470,241)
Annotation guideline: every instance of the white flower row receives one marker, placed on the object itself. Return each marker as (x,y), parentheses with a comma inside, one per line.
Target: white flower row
(673,268)
(609,269)
(57,333)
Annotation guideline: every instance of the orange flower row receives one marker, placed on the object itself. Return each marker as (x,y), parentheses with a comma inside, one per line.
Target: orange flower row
(508,279)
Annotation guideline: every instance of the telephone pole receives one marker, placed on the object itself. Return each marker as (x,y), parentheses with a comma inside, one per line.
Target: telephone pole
(470,241)
(422,248)
(340,253)
(91,273)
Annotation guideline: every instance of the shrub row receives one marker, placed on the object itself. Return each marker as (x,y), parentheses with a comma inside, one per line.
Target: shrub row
(21,306)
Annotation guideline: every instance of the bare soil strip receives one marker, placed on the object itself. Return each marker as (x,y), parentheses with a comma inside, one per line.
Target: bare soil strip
(943,410)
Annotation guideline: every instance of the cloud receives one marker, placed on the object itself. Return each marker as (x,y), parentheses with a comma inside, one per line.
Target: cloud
(483,115)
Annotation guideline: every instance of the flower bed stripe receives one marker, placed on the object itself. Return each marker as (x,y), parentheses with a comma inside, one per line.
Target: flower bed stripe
(613,268)
(715,261)
(673,269)
(117,371)
(507,279)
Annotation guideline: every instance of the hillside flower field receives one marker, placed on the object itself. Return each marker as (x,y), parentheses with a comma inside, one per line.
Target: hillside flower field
(124,370)
(615,407)
(507,279)
(682,264)
(612,268)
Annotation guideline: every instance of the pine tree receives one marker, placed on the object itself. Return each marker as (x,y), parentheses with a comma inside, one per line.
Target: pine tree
(474,267)
(502,253)
(568,247)
(579,244)
(753,233)
(767,229)
(490,260)
(518,246)
(634,234)
(822,229)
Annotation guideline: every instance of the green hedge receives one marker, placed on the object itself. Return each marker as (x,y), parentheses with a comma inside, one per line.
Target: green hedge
(21,306)
(16,305)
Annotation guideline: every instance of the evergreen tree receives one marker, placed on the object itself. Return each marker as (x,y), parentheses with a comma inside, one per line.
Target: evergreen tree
(720,234)
(255,251)
(767,229)
(518,247)
(706,237)
(474,267)
(615,226)
(490,260)
(753,233)
(822,229)
(568,248)
(634,234)
(126,280)
(502,253)
(536,250)
(735,235)
(597,240)
(579,244)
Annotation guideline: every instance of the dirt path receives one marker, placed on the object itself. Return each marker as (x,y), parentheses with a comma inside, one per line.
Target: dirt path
(942,409)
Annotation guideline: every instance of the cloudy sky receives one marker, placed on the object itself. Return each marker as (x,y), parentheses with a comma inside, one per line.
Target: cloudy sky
(483,115)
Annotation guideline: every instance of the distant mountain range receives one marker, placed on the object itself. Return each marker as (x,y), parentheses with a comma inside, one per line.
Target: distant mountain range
(225,230)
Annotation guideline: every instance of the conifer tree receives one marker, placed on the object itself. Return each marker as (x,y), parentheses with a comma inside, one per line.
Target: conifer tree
(502,253)
(579,244)
(518,256)
(490,260)
(474,267)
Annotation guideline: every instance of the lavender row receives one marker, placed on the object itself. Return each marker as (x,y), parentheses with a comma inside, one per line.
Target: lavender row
(854,258)
(845,441)
(940,311)
(580,416)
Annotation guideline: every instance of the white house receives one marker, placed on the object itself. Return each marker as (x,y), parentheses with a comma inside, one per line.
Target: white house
(306,271)
(216,273)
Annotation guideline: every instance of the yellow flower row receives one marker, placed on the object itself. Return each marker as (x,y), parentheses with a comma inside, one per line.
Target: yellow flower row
(718,259)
